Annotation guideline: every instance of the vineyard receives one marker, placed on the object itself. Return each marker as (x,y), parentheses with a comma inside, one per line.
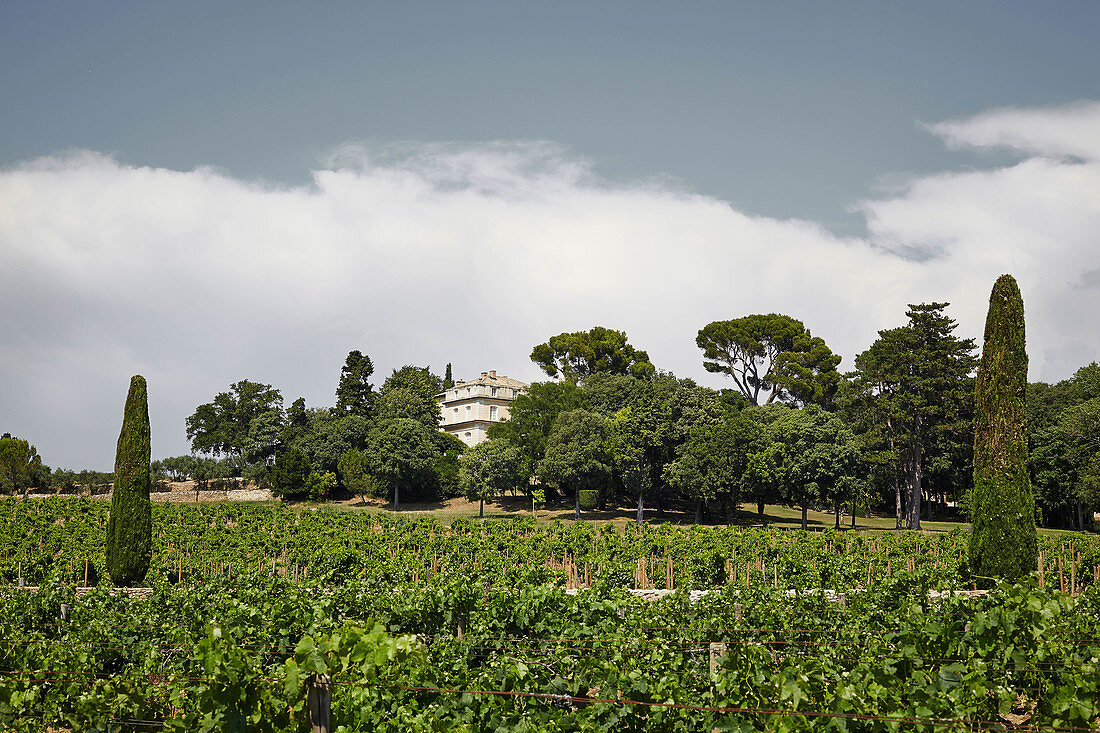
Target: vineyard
(413,625)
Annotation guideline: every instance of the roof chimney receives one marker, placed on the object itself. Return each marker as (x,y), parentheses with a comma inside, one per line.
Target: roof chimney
(485,374)
(493,373)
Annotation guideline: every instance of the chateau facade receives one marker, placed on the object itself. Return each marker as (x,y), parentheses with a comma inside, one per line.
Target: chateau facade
(469,408)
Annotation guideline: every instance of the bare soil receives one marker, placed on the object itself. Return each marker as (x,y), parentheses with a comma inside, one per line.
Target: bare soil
(184,491)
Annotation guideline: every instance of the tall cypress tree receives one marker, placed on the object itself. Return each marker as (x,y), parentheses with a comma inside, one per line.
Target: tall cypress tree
(130,526)
(1003,542)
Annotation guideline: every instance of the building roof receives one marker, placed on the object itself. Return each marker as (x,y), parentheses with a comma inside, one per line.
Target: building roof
(491,379)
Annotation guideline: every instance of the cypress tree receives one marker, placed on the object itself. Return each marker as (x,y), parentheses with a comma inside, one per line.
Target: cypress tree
(130,526)
(1003,542)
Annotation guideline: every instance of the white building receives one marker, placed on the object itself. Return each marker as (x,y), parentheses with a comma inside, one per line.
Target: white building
(469,408)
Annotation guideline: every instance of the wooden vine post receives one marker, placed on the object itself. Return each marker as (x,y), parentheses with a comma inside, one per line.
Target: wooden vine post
(319,703)
(717,651)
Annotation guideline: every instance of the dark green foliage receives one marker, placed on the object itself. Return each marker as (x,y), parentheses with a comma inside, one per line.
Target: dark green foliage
(222,426)
(532,415)
(330,436)
(291,475)
(489,469)
(130,526)
(448,378)
(401,402)
(1003,543)
(771,357)
(916,400)
(297,422)
(711,463)
(177,468)
(576,356)
(1063,426)
(418,380)
(355,473)
(402,455)
(355,393)
(450,449)
(808,456)
(20,466)
(577,455)
(409,393)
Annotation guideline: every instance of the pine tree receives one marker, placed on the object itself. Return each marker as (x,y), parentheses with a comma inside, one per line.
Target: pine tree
(917,379)
(448,380)
(1003,543)
(355,394)
(130,526)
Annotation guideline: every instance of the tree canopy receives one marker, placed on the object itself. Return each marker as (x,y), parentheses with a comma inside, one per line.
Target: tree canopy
(222,426)
(576,356)
(402,453)
(410,393)
(770,357)
(532,415)
(355,393)
(20,465)
(577,455)
(918,380)
(712,462)
(489,469)
(810,456)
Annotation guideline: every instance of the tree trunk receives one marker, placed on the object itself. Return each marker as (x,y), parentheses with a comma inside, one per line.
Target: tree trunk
(396,498)
(641,509)
(914,478)
(699,512)
(837,515)
(853,513)
(481,509)
(577,506)
(897,482)
(760,508)
(804,517)
(897,501)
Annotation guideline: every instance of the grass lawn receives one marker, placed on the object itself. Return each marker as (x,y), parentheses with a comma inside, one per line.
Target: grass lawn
(507,507)
(511,508)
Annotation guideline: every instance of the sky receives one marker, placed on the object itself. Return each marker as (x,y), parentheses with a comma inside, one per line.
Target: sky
(208,192)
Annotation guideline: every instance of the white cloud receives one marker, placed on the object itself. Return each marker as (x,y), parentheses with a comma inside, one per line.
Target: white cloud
(1059,132)
(472,254)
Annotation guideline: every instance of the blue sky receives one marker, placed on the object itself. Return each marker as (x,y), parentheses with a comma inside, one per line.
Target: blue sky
(784,109)
(204,192)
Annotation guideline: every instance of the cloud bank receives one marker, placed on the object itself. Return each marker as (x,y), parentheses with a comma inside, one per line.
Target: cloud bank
(471,254)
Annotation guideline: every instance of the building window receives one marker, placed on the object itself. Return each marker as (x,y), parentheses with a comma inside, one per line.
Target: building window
(456,412)
(494,391)
(493,413)
(468,411)
(467,391)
